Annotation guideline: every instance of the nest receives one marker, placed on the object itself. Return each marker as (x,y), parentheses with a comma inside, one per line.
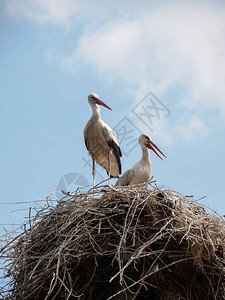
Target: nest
(119,243)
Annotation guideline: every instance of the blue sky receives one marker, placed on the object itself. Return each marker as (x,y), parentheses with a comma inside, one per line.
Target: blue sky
(54,53)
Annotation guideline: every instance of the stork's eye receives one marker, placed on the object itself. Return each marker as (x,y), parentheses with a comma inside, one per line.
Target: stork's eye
(147,138)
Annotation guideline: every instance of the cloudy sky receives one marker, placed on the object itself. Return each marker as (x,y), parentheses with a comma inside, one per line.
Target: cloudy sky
(159,65)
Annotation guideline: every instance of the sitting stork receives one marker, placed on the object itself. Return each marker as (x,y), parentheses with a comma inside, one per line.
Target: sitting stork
(141,171)
(101,141)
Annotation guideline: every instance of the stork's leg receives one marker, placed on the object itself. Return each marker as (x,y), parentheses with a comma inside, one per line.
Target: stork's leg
(109,166)
(93,170)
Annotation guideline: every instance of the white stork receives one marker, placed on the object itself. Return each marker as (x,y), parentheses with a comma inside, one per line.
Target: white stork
(101,141)
(141,171)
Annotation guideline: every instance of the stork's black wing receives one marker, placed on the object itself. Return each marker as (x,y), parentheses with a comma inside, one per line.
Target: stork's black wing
(116,149)
(86,144)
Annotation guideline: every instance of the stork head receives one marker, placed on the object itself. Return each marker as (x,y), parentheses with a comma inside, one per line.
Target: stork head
(145,141)
(93,99)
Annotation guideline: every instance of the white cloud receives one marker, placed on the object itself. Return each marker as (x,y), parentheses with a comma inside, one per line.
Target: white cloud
(181,44)
(43,11)
(187,129)
(148,46)
(184,128)
(163,46)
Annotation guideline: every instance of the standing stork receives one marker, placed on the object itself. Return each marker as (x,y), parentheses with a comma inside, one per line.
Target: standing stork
(141,171)
(101,141)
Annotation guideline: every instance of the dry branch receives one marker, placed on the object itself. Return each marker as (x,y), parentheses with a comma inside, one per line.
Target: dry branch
(119,243)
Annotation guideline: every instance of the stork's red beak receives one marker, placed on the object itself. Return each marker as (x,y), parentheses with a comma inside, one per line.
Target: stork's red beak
(151,146)
(100,102)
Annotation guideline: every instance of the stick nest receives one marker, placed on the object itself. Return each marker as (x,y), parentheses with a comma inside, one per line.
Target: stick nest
(119,243)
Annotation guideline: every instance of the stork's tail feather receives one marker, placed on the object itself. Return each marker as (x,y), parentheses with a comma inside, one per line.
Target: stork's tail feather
(111,176)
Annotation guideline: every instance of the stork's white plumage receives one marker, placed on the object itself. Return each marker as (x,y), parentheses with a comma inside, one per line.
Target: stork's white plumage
(101,141)
(141,171)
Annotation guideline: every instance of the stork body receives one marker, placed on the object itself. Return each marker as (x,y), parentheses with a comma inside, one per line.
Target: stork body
(101,141)
(141,171)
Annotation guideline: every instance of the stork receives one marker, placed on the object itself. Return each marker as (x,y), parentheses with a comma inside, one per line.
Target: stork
(101,142)
(141,171)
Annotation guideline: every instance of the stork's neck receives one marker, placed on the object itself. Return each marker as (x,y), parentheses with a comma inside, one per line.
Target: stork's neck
(95,110)
(145,155)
